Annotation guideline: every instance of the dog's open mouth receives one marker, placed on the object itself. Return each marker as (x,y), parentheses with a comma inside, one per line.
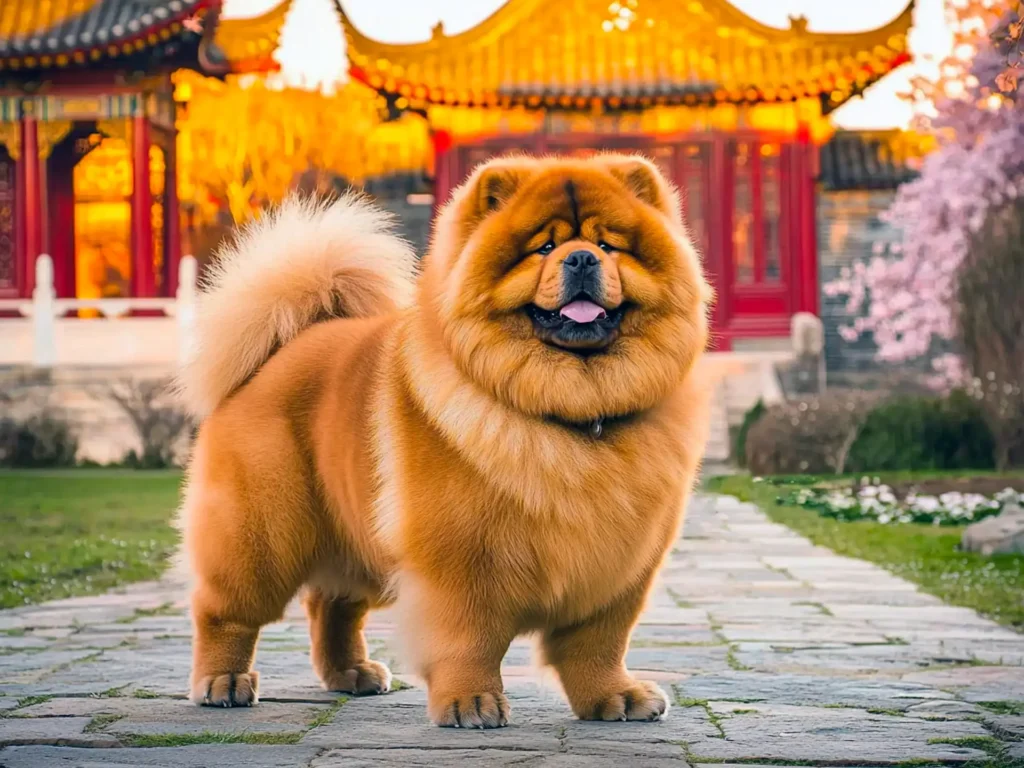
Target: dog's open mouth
(580,325)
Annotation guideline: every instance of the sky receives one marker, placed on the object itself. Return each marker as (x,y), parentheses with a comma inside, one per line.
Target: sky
(312,48)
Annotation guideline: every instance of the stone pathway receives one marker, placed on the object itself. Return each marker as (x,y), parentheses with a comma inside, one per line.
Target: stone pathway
(776,652)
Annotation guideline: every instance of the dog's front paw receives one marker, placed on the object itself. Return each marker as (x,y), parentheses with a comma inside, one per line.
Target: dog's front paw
(363,679)
(640,700)
(473,710)
(231,689)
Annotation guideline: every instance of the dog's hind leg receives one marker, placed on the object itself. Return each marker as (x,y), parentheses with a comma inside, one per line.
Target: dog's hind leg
(244,580)
(339,653)
(223,649)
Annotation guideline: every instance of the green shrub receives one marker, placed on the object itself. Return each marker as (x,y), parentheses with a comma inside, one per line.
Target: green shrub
(39,441)
(920,432)
(811,435)
(750,418)
(151,458)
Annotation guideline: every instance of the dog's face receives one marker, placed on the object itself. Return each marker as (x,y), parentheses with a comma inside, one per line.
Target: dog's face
(568,288)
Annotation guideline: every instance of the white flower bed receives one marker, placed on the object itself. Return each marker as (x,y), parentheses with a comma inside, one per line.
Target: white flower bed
(872,500)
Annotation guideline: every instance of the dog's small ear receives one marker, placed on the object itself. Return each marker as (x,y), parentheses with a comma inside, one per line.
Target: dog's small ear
(489,188)
(644,180)
(494,188)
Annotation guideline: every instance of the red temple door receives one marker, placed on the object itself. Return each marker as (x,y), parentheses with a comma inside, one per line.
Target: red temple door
(757,212)
(748,202)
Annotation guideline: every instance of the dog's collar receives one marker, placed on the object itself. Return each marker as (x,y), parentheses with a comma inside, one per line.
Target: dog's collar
(596,427)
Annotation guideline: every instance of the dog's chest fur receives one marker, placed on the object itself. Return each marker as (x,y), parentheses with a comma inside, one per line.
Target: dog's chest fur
(548,519)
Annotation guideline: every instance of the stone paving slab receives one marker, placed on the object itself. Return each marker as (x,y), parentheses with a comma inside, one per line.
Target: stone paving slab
(1008,727)
(847,659)
(484,758)
(198,756)
(124,715)
(834,691)
(977,683)
(28,668)
(22,643)
(786,732)
(774,650)
(65,731)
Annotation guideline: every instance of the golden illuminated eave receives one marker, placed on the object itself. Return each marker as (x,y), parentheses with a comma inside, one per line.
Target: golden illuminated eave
(627,53)
(57,34)
(249,44)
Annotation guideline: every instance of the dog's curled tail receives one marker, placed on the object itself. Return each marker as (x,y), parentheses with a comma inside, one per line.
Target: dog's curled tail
(303,262)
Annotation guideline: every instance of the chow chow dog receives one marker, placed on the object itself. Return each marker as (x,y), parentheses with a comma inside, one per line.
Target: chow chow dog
(499,443)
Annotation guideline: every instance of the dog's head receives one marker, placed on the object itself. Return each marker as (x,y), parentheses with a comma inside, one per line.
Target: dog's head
(568,288)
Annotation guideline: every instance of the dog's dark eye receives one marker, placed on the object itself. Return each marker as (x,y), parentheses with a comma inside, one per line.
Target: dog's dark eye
(607,248)
(547,248)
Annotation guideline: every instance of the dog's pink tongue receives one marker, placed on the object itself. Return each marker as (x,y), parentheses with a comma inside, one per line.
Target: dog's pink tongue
(582,311)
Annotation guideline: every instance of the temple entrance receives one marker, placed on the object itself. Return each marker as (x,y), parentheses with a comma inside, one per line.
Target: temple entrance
(748,200)
(102,223)
(102,187)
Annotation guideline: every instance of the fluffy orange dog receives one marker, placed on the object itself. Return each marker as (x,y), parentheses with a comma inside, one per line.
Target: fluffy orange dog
(501,446)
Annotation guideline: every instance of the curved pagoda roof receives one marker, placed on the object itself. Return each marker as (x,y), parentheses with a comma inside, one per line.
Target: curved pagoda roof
(41,35)
(628,53)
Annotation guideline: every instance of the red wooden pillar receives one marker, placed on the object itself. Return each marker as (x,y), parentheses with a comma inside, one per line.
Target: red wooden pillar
(59,210)
(719,224)
(44,205)
(31,222)
(807,271)
(172,217)
(142,278)
(445,168)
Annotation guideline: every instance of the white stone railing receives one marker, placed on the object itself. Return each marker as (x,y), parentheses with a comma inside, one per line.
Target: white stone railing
(42,336)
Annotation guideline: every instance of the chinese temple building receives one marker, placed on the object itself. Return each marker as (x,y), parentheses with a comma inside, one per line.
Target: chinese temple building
(88,168)
(130,139)
(734,111)
(100,156)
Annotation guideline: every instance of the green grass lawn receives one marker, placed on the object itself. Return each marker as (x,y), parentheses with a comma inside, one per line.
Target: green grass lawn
(923,554)
(77,532)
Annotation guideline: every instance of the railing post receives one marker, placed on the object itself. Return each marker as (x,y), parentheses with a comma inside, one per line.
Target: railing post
(185,311)
(44,314)
(808,335)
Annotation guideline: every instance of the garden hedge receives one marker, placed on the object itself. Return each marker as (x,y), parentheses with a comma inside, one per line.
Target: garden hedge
(851,431)
(39,441)
(924,433)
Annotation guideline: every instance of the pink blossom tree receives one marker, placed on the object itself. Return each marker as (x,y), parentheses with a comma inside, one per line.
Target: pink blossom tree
(907,296)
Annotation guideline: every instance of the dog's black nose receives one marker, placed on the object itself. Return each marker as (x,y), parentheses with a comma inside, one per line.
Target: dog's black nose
(578,261)
(581,273)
